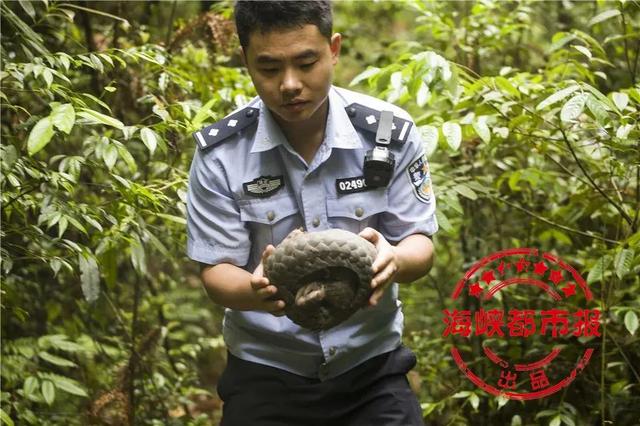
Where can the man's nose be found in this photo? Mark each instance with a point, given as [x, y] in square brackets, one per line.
[290, 82]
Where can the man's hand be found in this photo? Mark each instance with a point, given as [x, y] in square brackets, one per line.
[385, 265]
[263, 291]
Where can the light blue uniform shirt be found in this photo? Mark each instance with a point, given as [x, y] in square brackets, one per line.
[228, 224]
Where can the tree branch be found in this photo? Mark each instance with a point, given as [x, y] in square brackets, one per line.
[626, 47]
[167, 38]
[557, 225]
[624, 214]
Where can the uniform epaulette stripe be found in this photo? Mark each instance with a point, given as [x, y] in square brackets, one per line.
[230, 125]
[367, 118]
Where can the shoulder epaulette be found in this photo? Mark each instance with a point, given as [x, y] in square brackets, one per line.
[230, 125]
[366, 118]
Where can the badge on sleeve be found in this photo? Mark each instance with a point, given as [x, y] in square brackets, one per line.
[420, 178]
[263, 186]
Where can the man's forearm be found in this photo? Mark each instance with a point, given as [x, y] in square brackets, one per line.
[414, 256]
[229, 286]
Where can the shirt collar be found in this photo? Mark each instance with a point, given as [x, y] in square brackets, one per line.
[339, 131]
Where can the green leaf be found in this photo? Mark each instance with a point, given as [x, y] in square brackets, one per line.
[474, 401]
[465, 191]
[56, 360]
[557, 97]
[560, 39]
[502, 401]
[567, 420]
[631, 322]
[585, 51]
[129, 131]
[63, 116]
[66, 384]
[28, 8]
[423, 95]
[623, 131]
[93, 223]
[621, 100]
[481, 128]
[48, 391]
[556, 421]
[598, 109]
[149, 138]
[176, 219]
[110, 155]
[203, 113]
[601, 17]
[573, 108]
[427, 408]
[597, 271]
[138, 257]
[506, 86]
[443, 221]
[453, 134]
[622, 262]
[89, 277]
[59, 341]
[97, 63]
[40, 135]
[161, 112]
[96, 117]
[430, 138]
[364, 75]
[30, 386]
[48, 77]
[62, 226]
[5, 418]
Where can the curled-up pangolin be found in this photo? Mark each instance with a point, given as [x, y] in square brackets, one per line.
[323, 277]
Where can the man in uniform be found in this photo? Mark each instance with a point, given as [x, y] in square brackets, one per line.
[294, 157]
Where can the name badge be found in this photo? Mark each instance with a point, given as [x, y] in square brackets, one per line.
[351, 184]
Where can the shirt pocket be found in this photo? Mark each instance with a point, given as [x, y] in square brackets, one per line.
[354, 212]
[269, 220]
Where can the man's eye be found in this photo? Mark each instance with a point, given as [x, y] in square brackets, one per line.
[309, 65]
[269, 70]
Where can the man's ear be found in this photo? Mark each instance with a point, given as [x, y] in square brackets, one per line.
[334, 45]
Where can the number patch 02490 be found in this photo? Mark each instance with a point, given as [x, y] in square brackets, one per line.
[351, 185]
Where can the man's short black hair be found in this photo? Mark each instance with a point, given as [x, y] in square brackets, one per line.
[265, 16]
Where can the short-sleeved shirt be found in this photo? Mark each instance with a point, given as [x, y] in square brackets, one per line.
[252, 189]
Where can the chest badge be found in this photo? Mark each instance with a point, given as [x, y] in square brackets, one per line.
[263, 186]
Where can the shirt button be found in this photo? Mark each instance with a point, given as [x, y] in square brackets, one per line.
[359, 211]
[316, 222]
[332, 351]
[271, 215]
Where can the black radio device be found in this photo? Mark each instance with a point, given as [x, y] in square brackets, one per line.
[379, 162]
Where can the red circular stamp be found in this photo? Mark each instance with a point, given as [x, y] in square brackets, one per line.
[521, 310]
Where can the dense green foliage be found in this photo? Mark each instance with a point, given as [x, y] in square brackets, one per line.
[529, 112]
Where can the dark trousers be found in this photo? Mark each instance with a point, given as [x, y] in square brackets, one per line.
[374, 393]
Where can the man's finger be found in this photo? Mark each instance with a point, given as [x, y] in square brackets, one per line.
[369, 234]
[376, 296]
[381, 262]
[267, 252]
[275, 306]
[267, 291]
[258, 282]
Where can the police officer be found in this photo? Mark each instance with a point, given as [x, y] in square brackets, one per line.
[295, 157]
